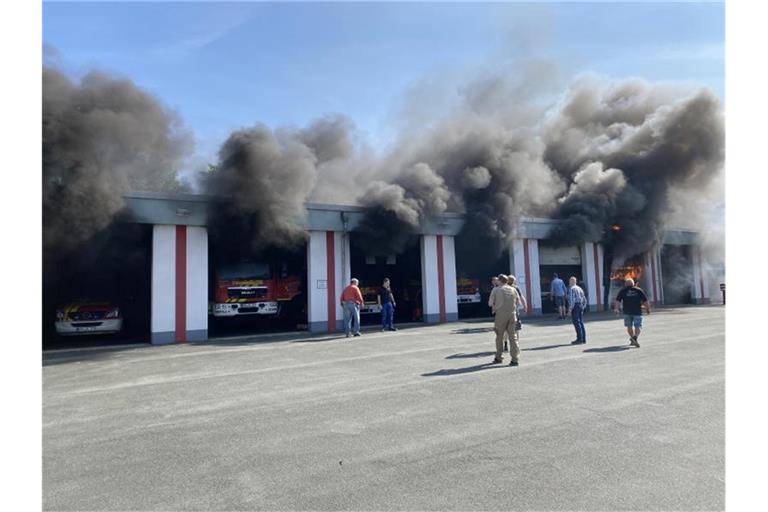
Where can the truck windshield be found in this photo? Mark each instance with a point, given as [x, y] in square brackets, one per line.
[244, 271]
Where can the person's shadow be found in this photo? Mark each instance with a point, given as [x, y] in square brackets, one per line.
[617, 348]
[547, 347]
[459, 371]
[462, 355]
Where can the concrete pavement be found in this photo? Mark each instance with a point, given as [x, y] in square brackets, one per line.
[416, 419]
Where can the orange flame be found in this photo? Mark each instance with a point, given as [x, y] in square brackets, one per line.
[626, 272]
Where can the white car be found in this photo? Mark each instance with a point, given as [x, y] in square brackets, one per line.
[88, 317]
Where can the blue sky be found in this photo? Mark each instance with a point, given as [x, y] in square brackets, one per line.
[223, 66]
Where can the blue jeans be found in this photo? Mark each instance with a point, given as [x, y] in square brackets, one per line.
[387, 315]
[577, 316]
[351, 318]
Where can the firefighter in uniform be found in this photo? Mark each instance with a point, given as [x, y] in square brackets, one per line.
[504, 302]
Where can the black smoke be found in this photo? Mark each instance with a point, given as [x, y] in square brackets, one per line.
[631, 153]
[264, 177]
[102, 137]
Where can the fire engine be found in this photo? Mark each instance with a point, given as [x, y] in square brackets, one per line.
[468, 291]
[370, 300]
[253, 288]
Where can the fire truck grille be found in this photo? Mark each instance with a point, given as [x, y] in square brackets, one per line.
[246, 293]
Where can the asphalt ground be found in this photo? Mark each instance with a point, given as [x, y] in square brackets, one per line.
[417, 419]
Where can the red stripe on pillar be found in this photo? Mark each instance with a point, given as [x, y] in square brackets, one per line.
[596, 258]
[528, 275]
[330, 257]
[653, 275]
[440, 277]
[701, 274]
[181, 284]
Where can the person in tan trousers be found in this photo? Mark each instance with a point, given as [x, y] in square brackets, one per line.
[504, 302]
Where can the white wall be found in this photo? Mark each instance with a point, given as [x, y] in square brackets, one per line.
[533, 256]
[592, 279]
[700, 290]
[449, 270]
[429, 285]
[340, 272]
[163, 279]
[317, 278]
[197, 278]
[527, 276]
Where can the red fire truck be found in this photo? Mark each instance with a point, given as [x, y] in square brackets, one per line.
[253, 288]
[468, 291]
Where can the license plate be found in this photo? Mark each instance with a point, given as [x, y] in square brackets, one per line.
[85, 329]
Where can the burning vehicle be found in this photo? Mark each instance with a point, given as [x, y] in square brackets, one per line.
[83, 317]
[254, 288]
[630, 269]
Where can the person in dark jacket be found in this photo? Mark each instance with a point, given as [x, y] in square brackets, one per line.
[386, 300]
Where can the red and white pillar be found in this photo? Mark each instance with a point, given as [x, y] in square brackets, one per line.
[592, 273]
[438, 278]
[179, 284]
[328, 270]
[651, 280]
[700, 287]
[524, 265]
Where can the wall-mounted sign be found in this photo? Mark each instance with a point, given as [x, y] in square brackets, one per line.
[322, 284]
[568, 255]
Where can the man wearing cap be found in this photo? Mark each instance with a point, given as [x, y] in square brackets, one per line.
[504, 302]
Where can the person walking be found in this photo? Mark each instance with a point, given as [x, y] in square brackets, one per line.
[523, 306]
[558, 292]
[351, 301]
[496, 283]
[504, 302]
[386, 300]
[576, 302]
[633, 301]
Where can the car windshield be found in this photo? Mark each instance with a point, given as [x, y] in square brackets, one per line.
[244, 271]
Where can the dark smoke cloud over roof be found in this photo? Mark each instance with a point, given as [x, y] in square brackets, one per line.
[102, 137]
[608, 152]
[605, 153]
[627, 149]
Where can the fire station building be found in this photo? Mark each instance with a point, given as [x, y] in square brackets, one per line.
[180, 270]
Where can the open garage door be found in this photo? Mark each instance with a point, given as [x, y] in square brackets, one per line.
[100, 292]
[565, 261]
[255, 292]
[677, 274]
[476, 262]
[404, 273]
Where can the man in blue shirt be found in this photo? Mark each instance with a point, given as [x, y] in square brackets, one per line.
[576, 303]
[557, 289]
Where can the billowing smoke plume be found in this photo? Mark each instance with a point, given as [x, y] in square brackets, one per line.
[612, 160]
[264, 177]
[632, 152]
[481, 157]
[102, 137]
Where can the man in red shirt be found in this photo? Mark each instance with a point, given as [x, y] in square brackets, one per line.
[351, 300]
